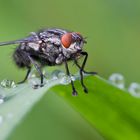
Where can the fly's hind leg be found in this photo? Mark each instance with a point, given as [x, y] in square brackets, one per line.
[21, 59]
[27, 74]
[38, 69]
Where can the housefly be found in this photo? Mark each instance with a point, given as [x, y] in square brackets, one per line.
[50, 47]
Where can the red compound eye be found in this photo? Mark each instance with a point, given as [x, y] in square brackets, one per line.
[66, 40]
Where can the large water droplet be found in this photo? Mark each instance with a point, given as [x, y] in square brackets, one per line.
[65, 80]
[34, 82]
[118, 80]
[34, 79]
[62, 77]
[134, 89]
[57, 74]
[1, 119]
[8, 83]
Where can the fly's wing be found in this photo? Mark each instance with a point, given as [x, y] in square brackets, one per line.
[32, 38]
[13, 42]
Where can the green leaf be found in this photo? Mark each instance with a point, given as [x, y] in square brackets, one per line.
[113, 112]
[20, 100]
[106, 111]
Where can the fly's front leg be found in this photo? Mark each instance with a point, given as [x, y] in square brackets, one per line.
[38, 69]
[74, 92]
[82, 70]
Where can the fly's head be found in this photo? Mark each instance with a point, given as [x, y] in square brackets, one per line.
[72, 43]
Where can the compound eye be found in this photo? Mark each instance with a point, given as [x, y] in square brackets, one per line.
[66, 40]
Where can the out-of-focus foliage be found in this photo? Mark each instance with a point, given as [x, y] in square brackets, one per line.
[111, 27]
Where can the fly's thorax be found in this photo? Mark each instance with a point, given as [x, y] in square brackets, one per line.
[33, 45]
[48, 37]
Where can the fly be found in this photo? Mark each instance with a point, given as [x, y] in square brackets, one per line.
[50, 47]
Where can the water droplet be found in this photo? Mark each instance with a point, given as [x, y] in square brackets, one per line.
[34, 79]
[8, 83]
[134, 89]
[35, 82]
[57, 74]
[1, 119]
[118, 80]
[65, 80]
[62, 77]
[47, 75]
[73, 78]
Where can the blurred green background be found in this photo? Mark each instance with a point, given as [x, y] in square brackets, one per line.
[112, 28]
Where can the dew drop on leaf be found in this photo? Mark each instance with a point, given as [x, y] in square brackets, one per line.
[134, 89]
[7, 83]
[34, 82]
[34, 79]
[65, 80]
[62, 77]
[118, 80]
[57, 74]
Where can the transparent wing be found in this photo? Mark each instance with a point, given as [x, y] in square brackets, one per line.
[12, 42]
[28, 39]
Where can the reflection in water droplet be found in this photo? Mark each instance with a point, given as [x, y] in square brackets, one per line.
[134, 89]
[1, 119]
[8, 83]
[118, 80]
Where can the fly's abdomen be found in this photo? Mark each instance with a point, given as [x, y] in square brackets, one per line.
[21, 58]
